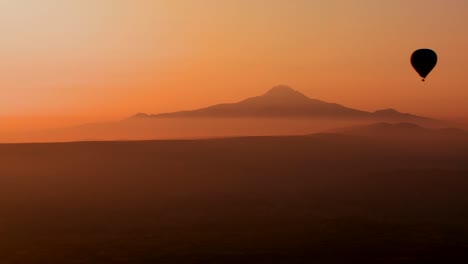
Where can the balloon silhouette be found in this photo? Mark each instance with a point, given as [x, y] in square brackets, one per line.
[424, 61]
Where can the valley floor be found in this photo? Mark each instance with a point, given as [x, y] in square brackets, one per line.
[312, 199]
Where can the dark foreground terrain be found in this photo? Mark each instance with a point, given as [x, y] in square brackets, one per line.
[315, 199]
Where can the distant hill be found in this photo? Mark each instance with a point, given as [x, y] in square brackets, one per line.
[284, 102]
[403, 130]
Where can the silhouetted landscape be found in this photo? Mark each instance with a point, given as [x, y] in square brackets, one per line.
[233, 132]
[344, 197]
[277, 178]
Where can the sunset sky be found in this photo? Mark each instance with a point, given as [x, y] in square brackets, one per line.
[107, 59]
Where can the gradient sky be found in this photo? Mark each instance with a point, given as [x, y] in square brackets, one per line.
[102, 59]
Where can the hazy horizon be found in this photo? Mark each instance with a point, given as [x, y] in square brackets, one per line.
[280, 111]
[36, 123]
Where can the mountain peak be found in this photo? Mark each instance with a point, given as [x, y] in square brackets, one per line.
[283, 91]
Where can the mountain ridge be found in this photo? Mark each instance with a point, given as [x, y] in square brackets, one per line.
[282, 101]
[403, 130]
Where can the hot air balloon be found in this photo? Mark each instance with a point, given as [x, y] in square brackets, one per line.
[424, 61]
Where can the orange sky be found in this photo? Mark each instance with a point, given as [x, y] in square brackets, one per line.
[107, 59]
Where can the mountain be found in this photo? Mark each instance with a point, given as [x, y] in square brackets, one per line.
[280, 111]
[280, 101]
[284, 102]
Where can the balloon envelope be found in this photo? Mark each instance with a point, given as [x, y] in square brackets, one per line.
[424, 61]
